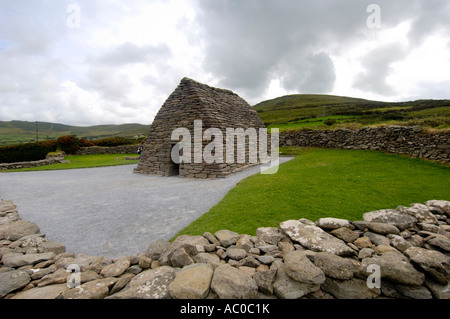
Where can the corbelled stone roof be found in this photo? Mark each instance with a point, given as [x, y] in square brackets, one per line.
[192, 100]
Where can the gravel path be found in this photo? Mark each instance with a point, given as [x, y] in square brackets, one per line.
[111, 211]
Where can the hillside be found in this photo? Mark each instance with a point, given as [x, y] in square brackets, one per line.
[13, 132]
[297, 111]
[312, 110]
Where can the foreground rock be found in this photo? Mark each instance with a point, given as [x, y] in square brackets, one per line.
[150, 284]
[315, 238]
[329, 258]
[231, 283]
[12, 280]
[192, 282]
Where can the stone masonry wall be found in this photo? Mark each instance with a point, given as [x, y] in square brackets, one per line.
[191, 101]
[405, 140]
[409, 247]
[19, 165]
[95, 150]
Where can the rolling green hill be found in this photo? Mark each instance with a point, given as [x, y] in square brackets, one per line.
[297, 111]
[13, 132]
[312, 110]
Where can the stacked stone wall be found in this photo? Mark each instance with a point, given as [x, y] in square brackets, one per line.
[96, 150]
[400, 253]
[30, 164]
[411, 141]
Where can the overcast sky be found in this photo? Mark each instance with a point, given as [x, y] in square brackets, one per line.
[116, 61]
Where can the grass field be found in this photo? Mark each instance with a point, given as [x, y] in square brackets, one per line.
[84, 161]
[316, 122]
[299, 111]
[325, 183]
[14, 132]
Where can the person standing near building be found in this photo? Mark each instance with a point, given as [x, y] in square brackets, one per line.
[141, 149]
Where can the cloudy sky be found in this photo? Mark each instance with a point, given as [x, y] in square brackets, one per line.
[116, 61]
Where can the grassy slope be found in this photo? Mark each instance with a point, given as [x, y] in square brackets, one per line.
[325, 183]
[293, 111]
[21, 131]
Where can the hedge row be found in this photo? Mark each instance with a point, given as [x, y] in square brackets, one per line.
[39, 150]
[26, 152]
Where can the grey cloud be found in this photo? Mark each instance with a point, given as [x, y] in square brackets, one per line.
[433, 15]
[32, 27]
[109, 83]
[313, 73]
[246, 44]
[249, 43]
[129, 53]
[376, 66]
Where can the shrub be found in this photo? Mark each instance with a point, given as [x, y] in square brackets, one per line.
[71, 143]
[329, 122]
[392, 116]
[113, 141]
[26, 152]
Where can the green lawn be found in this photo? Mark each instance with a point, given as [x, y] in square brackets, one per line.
[313, 123]
[84, 161]
[325, 183]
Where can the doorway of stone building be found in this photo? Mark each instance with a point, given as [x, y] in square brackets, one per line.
[174, 166]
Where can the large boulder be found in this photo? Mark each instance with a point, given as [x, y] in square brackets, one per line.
[116, 269]
[383, 228]
[390, 216]
[231, 283]
[149, 284]
[301, 269]
[350, 289]
[156, 248]
[192, 282]
[13, 280]
[443, 205]
[285, 287]
[431, 261]
[314, 238]
[271, 235]
[332, 223]
[192, 245]
[18, 229]
[335, 266]
[18, 260]
[47, 292]
[226, 237]
[96, 289]
[421, 212]
[395, 267]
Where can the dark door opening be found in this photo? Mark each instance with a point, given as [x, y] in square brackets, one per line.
[174, 165]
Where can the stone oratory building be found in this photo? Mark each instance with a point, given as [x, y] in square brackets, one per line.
[190, 105]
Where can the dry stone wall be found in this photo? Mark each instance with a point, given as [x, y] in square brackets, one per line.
[329, 258]
[47, 161]
[412, 141]
[95, 150]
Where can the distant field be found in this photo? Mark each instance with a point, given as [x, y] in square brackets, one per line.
[313, 122]
[325, 183]
[312, 110]
[295, 111]
[14, 132]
